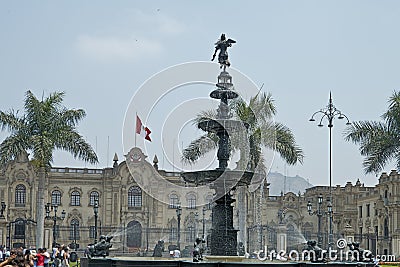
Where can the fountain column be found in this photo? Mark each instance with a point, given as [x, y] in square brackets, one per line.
[223, 239]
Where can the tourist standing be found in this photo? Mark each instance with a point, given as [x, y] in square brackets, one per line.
[46, 257]
[65, 257]
[40, 258]
[29, 257]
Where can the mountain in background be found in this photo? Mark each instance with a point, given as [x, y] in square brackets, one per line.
[280, 183]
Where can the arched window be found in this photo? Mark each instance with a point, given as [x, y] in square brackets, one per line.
[74, 230]
[386, 228]
[94, 195]
[56, 198]
[191, 199]
[173, 201]
[20, 195]
[134, 196]
[191, 233]
[75, 198]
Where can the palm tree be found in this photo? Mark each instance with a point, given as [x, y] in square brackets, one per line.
[46, 125]
[262, 132]
[379, 141]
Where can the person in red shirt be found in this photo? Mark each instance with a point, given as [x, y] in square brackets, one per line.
[40, 258]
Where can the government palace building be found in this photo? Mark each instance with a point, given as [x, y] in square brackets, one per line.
[125, 208]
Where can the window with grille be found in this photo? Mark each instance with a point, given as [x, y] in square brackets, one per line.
[134, 196]
[93, 197]
[57, 231]
[92, 231]
[173, 201]
[20, 195]
[173, 234]
[19, 230]
[191, 202]
[75, 198]
[56, 198]
[191, 233]
[74, 230]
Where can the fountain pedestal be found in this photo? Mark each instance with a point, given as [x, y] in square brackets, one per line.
[223, 235]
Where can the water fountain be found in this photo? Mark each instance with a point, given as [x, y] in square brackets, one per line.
[222, 180]
[223, 240]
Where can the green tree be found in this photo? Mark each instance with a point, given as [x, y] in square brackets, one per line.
[379, 141]
[45, 126]
[262, 132]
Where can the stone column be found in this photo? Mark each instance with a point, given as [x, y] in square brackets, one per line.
[281, 238]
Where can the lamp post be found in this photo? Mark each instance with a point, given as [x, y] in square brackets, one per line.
[329, 113]
[53, 207]
[96, 212]
[204, 223]
[3, 208]
[178, 214]
[319, 212]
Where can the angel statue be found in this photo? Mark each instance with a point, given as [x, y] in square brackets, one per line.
[222, 45]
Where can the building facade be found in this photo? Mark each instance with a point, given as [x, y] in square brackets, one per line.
[139, 205]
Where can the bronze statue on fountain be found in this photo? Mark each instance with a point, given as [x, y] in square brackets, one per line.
[101, 248]
[198, 249]
[318, 255]
[359, 254]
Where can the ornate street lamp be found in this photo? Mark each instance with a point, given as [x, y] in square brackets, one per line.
[204, 223]
[329, 113]
[178, 214]
[3, 208]
[53, 207]
[319, 213]
[96, 212]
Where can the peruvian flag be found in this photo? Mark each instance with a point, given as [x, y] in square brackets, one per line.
[142, 130]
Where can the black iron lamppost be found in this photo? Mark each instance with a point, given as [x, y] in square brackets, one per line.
[179, 214]
[96, 212]
[319, 212]
[204, 222]
[54, 208]
[329, 113]
[3, 208]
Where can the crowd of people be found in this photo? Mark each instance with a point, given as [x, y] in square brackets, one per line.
[24, 257]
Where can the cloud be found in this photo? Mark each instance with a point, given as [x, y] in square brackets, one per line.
[117, 48]
[143, 36]
[158, 22]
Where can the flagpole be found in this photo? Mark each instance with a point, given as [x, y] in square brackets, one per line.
[135, 127]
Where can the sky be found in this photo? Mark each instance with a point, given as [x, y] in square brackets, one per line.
[102, 53]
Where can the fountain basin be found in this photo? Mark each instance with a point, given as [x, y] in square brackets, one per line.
[220, 125]
[216, 262]
[231, 178]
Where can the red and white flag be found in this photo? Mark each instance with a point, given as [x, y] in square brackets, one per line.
[142, 130]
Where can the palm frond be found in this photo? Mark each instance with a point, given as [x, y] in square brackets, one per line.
[199, 147]
[72, 116]
[10, 121]
[286, 146]
[12, 146]
[74, 143]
